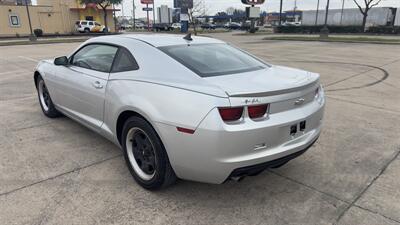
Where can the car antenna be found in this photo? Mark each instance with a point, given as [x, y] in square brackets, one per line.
[188, 37]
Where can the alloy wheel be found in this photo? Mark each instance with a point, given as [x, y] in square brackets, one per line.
[141, 153]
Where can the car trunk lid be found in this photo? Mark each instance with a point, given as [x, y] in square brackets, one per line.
[275, 80]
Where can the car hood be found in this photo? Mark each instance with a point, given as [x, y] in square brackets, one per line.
[270, 81]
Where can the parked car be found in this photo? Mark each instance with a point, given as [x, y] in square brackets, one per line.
[206, 112]
[139, 25]
[162, 27]
[85, 26]
[176, 26]
[233, 26]
[126, 26]
[291, 24]
[208, 26]
[247, 26]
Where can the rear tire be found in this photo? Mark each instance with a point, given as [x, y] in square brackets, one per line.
[87, 30]
[45, 101]
[145, 155]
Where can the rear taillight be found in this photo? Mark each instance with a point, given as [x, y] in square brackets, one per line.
[79, 26]
[231, 114]
[257, 111]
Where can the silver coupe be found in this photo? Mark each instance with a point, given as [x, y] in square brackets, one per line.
[194, 108]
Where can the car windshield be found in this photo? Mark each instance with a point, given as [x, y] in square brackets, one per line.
[208, 60]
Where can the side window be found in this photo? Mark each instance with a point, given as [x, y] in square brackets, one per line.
[90, 23]
[84, 23]
[124, 62]
[95, 57]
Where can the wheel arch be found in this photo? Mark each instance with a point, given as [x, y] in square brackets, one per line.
[123, 117]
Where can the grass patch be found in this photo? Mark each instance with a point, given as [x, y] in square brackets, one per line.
[337, 39]
[50, 41]
[254, 34]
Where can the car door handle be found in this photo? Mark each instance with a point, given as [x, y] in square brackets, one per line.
[97, 85]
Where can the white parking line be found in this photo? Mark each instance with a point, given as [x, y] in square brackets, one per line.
[27, 58]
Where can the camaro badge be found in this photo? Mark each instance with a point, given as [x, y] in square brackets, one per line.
[299, 101]
[251, 101]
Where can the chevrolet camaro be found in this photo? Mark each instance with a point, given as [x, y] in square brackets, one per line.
[194, 108]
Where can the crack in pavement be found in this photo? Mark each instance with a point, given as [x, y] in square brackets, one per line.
[389, 218]
[308, 186]
[353, 203]
[60, 175]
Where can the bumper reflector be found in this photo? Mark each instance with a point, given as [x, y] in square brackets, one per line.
[185, 130]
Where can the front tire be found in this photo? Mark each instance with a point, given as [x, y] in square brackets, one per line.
[145, 155]
[45, 101]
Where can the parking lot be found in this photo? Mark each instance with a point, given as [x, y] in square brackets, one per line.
[55, 171]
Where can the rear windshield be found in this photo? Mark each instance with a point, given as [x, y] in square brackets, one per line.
[209, 60]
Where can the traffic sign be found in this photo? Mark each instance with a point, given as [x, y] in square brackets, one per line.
[187, 4]
[253, 2]
[147, 1]
[147, 9]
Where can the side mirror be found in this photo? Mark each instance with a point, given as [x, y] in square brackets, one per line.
[61, 61]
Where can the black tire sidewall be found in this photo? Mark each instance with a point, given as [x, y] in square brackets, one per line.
[52, 112]
[162, 161]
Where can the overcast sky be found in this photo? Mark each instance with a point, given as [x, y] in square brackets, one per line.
[215, 6]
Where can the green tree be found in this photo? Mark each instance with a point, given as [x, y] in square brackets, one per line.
[104, 4]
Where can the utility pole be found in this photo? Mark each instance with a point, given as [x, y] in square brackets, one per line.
[32, 37]
[154, 14]
[295, 6]
[114, 18]
[326, 13]
[341, 14]
[280, 13]
[325, 30]
[316, 15]
[148, 19]
[134, 15]
[294, 11]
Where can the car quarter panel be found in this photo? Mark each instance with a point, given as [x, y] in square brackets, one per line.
[159, 104]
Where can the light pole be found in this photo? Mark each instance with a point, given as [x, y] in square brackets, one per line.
[341, 14]
[316, 15]
[32, 37]
[280, 13]
[325, 31]
[134, 15]
[154, 14]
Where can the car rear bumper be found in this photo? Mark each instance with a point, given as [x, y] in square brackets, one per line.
[254, 169]
[217, 151]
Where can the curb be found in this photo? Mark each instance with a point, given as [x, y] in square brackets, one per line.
[38, 42]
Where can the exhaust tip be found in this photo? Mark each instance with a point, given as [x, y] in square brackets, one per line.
[238, 179]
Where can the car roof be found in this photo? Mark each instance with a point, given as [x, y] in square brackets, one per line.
[159, 40]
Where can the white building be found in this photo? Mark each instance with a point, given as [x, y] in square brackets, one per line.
[164, 14]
